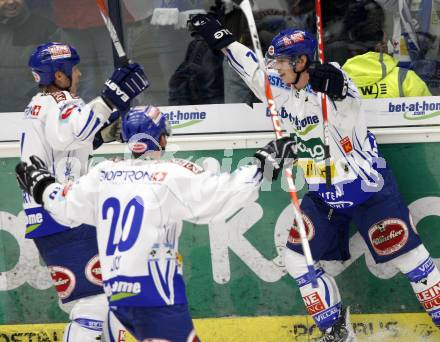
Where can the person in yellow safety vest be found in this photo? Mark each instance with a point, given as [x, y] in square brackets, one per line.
[377, 75]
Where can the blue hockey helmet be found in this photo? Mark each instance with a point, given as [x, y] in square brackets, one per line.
[292, 43]
[143, 127]
[51, 57]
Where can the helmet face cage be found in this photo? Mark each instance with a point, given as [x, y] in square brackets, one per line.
[49, 58]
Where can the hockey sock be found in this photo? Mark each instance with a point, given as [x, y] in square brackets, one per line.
[322, 303]
[424, 276]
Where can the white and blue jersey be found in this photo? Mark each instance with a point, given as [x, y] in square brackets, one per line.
[59, 128]
[355, 162]
[137, 207]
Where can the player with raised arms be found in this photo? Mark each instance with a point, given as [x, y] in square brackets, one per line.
[363, 190]
[137, 206]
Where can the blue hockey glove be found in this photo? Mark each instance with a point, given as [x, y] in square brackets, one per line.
[328, 79]
[211, 29]
[272, 157]
[124, 85]
[34, 178]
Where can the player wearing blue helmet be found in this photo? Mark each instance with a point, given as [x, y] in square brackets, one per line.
[363, 190]
[145, 130]
[137, 206]
[60, 129]
[55, 65]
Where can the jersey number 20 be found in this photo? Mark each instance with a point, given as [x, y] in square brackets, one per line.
[128, 232]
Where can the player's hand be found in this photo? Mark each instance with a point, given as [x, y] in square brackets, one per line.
[124, 85]
[328, 79]
[274, 155]
[211, 29]
[34, 178]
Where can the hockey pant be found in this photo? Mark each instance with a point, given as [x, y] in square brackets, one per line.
[324, 303]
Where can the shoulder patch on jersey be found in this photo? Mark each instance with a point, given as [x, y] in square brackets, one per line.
[59, 96]
[194, 168]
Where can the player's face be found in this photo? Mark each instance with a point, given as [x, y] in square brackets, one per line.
[10, 8]
[284, 68]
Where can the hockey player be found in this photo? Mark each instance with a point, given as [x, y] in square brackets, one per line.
[137, 206]
[59, 128]
[363, 189]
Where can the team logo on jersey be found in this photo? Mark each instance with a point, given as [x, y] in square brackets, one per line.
[294, 236]
[65, 114]
[346, 145]
[59, 96]
[388, 236]
[63, 279]
[93, 271]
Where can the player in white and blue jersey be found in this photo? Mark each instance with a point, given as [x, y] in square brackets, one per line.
[363, 190]
[59, 128]
[137, 206]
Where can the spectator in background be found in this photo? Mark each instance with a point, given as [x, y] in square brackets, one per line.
[199, 78]
[82, 26]
[415, 37]
[21, 30]
[362, 27]
[374, 72]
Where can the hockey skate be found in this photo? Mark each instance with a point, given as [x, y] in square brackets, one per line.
[342, 331]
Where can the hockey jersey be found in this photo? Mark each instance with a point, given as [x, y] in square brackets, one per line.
[59, 128]
[137, 207]
[355, 162]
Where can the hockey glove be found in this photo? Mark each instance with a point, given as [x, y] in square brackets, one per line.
[273, 156]
[211, 29]
[124, 85]
[34, 178]
[110, 131]
[328, 79]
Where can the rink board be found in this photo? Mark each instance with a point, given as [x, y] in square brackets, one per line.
[368, 328]
[234, 269]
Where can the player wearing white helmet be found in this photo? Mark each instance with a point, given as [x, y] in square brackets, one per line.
[60, 129]
[137, 206]
[363, 189]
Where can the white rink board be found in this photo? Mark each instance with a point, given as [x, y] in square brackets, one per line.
[399, 120]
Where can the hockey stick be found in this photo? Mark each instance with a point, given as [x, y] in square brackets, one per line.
[111, 30]
[247, 11]
[328, 174]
